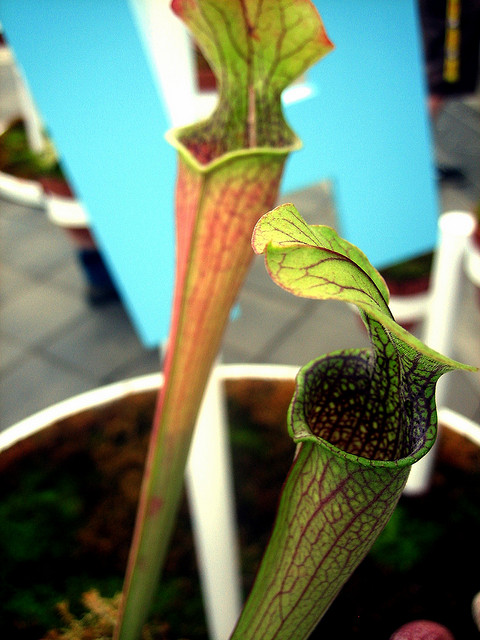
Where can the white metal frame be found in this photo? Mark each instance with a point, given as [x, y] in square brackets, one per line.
[455, 229]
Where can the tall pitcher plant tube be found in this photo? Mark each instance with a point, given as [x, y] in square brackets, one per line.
[230, 167]
[360, 419]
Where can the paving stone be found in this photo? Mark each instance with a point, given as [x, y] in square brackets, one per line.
[11, 351]
[103, 342]
[38, 253]
[12, 283]
[146, 362]
[327, 326]
[34, 384]
[39, 313]
[261, 319]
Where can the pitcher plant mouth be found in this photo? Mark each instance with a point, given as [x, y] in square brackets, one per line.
[372, 406]
[203, 161]
[255, 50]
[302, 427]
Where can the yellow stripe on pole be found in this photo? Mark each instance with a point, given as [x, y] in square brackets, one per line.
[451, 64]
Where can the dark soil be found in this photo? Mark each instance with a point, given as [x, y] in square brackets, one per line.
[67, 507]
[425, 564]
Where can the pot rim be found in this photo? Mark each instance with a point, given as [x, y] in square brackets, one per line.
[21, 190]
[410, 307]
[102, 395]
[105, 394]
[461, 424]
[66, 212]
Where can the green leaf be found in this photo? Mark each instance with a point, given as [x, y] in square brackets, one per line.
[312, 261]
[360, 419]
[256, 49]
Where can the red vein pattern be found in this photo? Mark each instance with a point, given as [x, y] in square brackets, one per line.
[330, 514]
[361, 418]
[212, 272]
[256, 48]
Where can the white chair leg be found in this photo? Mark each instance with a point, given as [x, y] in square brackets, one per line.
[210, 494]
[455, 228]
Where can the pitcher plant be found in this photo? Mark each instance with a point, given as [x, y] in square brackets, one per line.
[360, 418]
[229, 171]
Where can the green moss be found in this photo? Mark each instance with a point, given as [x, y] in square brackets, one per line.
[17, 159]
[405, 541]
[31, 516]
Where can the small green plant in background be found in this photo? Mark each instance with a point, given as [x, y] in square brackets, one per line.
[18, 159]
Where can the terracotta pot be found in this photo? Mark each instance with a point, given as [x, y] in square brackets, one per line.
[89, 441]
[409, 285]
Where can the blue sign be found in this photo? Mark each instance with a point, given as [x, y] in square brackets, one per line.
[364, 126]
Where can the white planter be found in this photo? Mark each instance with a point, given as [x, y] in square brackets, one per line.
[103, 395]
[66, 212]
[20, 191]
[472, 261]
[220, 616]
[208, 478]
[70, 215]
[410, 309]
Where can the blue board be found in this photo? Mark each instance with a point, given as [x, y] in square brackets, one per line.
[365, 127]
[88, 73]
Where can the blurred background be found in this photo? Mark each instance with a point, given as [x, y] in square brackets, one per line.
[64, 329]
